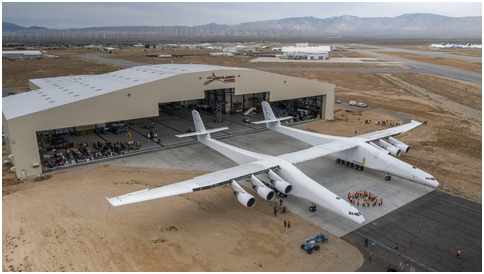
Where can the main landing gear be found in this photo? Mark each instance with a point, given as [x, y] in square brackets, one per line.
[349, 164]
[388, 177]
[313, 208]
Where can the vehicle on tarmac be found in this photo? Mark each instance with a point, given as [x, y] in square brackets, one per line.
[348, 110]
[363, 105]
[352, 103]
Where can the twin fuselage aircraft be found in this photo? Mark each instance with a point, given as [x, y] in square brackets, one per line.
[269, 175]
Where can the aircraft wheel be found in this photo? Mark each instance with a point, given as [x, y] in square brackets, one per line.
[342, 162]
[302, 246]
[317, 247]
[360, 168]
[388, 178]
[310, 251]
[337, 161]
[352, 165]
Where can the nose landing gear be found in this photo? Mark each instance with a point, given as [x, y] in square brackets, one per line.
[388, 177]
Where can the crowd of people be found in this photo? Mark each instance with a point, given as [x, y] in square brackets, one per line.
[366, 197]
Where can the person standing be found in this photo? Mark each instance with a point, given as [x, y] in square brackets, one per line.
[396, 245]
[275, 212]
[364, 203]
[284, 223]
[381, 201]
[280, 202]
[289, 224]
[366, 242]
[458, 253]
[358, 202]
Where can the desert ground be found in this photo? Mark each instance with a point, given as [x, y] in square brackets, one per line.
[64, 223]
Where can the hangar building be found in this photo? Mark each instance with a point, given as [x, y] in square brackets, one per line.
[24, 54]
[133, 93]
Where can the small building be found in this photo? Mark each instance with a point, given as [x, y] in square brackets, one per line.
[22, 54]
[306, 53]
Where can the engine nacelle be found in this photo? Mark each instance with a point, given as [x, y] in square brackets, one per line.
[279, 183]
[402, 146]
[242, 196]
[265, 192]
[262, 190]
[393, 150]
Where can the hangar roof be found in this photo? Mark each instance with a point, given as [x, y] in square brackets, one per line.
[60, 91]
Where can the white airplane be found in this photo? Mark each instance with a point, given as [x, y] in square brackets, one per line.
[360, 151]
[440, 46]
[282, 176]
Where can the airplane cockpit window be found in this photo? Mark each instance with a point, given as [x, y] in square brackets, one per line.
[429, 178]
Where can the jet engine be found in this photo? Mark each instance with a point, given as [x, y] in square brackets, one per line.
[262, 190]
[395, 151]
[244, 198]
[279, 183]
[403, 147]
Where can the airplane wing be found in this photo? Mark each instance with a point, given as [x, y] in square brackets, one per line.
[203, 182]
[317, 151]
[389, 132]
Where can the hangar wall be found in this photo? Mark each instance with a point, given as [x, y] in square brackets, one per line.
[142, 101]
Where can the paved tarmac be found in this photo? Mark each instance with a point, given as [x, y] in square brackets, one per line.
[429, 231]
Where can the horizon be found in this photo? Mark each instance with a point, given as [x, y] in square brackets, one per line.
[167, 14]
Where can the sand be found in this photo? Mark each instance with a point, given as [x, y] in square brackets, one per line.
[65, 223]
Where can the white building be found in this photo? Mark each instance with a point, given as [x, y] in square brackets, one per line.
[62, 103]
[22, 54]
[307, 53]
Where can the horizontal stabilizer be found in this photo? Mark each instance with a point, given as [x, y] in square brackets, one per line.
[274, 120]
[202, 132]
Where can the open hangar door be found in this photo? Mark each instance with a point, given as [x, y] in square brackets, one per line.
[305, 108]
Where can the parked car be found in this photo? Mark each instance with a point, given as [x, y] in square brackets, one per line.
[348, 110]
[338, 102]
[363, 105]
[352, 103]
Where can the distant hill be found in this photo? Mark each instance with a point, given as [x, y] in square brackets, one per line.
[419, 25]
[13, 27]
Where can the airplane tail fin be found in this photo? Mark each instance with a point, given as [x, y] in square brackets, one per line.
[200, 127]
[269, 116]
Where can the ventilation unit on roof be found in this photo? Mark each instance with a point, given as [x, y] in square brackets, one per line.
[120, 76]
[86, 85]
[98, 89]
[128, 78]
[93, 87]
[66, 89]
[51, 101]
[76, 95]
[43, 95]
[47, 98]
[71, 92]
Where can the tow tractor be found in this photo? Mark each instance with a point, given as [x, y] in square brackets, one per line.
[311, 243]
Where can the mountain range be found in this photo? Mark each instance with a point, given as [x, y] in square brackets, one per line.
[421, 25]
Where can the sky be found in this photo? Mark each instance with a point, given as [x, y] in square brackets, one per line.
[64, 15]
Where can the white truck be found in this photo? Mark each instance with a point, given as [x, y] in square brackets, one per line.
[352, 103]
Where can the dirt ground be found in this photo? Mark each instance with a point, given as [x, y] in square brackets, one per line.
[439, 61]
[15, 74]
[65, 223]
